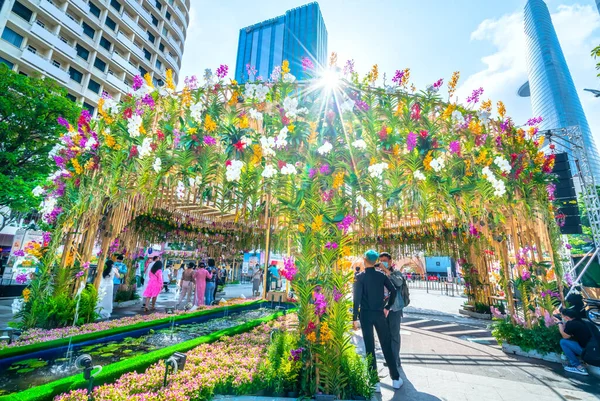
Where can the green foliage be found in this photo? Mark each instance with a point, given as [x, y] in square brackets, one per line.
[539, 337]
[29, 108]
[361, 378]
[281, 372]
[596, 55]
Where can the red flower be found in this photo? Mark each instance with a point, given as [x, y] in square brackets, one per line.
[228, 163]
[280, 164]
[552, 146]
[153, 146]
[133, 152]
[383, 133]
[127, 113]
[239, 145]
[160, 135]
[285, 120]
[513, 156]
[424, 133]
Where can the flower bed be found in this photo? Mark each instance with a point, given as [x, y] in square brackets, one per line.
[38, 339]
[123, 372]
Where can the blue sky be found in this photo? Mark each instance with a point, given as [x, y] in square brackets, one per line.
[483, 39]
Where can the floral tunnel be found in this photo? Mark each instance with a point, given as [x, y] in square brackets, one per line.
[325, 169]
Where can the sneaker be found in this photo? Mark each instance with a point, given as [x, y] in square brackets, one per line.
[378, 388]
[577, 370]
[397, 383]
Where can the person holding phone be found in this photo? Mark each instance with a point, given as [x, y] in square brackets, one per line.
[576, 336]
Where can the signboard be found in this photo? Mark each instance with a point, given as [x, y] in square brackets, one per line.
[21, 265]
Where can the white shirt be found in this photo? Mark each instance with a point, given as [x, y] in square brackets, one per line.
[166, 274]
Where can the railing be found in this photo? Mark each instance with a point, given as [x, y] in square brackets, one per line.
[45, 64]
[433, 284]
[53, 40]
[61, 16]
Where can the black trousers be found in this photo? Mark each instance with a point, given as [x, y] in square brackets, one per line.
[376, 319]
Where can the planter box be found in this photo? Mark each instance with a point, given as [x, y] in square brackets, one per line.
[475, 315]
[516, 350]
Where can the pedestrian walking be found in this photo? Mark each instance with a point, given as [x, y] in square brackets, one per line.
[155, 284]
[106, 289]
[201, 277]
[149, 264]
[119, 279]
[370, 308]
[211, 283]
[166, 279]
[186, 283]
[394, 317]
[256, 279]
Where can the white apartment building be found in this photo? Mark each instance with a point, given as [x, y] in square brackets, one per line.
[94, 46]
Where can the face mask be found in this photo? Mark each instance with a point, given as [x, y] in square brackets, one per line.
[385, 264]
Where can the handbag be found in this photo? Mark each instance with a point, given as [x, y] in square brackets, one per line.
[591, 353]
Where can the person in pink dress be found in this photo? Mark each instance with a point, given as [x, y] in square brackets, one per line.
[155, 284]
[200, 277]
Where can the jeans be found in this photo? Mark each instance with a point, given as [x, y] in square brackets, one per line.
[187, 289]
[394, 319]
[209, 293]
[572, 350]
[376, 319]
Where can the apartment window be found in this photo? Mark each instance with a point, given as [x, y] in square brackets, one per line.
[161, 47]
[168, 15]
[105, 43]
[12, 37]
[158, 64]
[151, 37]
[94, 9]
[116, 5]
[89, 107]
[94, 86]
[82, 52]
[147, 54]
[63, 39]
[75, 75]
[165, 31]
[5, 61]
[71, 97]
[142, 71]
[99, 64]
[22, 73]
[110, 23]
[88, 30]
[40, 23]
[154, 20]
[32, 49]
[22, 11]
[56, 63]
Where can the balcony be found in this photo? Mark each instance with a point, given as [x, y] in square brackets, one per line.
[124, 64]
[172, 62]
[63, 18]
[117, 83]
[176, 46]
[82, 5]
[130, 45]
[53, 40]
[45, 65]
[181, 15]
[133, 25]
[179, 32]
[140, 10]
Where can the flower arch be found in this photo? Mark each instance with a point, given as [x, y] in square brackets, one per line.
[324, 169]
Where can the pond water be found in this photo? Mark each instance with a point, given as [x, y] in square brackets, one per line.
[19, 375]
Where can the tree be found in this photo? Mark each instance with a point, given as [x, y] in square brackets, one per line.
[29, 109]
[596, 55]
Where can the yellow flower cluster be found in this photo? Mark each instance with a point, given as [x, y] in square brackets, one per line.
[486, 106]
[285, 67]
[109, 140]
[34, 249]
[317, 224]
[89, 164]
[468, 171]
[77, 166]
[326, 334]
[453, 82]
[234, 98]
[244, 122]
[148, 80]
[26, 294]
[170, 83]
[501, 108]
[338, 179]
[102, 112]
[539, 158]
[405, 77]
[312, 337]
[256, 154]
[209, 124]
[346, 251]
[483, 158]
[396, 150]
[312, 138]
[373, 74]
[186, 97]
[475, 127]
[291, 128]
[301, 228]
[448, 112]
[427, 161]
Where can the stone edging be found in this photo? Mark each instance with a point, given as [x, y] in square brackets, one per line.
[516, 350]
[475, 315]
[126, 304]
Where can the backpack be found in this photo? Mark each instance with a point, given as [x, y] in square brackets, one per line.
[400, 282]
[591, 353]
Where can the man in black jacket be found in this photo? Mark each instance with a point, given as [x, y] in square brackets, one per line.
[370, 308]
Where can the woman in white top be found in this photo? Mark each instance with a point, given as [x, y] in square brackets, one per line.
[105, 292]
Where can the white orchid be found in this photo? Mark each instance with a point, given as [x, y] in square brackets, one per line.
[457, 115]
[260, 92]
[246, 141]
[502, 164]
[365, 204]
[281, 139]
[418, 174]
[289, 78]
[255, 114]
[348, 105]
[157, 166]
[57, 148]
[145, 149]
[290, 105]
[233, 171]
[376, 170]
[38, 191]
[180, 190]
[437, 164]
[133, 125]
[196, 111]
[267, 145]
[90, 143]
[48, 205]
[269, 171]
[288, 169]
[498, 185]
[110, 106]
[484, 116]
[325, 148]
[359, 144]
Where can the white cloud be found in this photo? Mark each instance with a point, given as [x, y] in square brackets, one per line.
[578, 30]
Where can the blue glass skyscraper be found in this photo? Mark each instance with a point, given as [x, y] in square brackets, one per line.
[553, 93]
[298, 33]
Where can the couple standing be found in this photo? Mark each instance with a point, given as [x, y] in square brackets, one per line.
[374, 312]
[204, 280]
